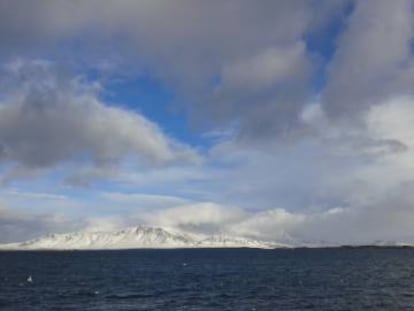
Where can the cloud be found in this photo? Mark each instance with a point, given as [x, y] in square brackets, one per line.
[147, 201]
[373, 59]
[307, 143]
[385, 218]
[265, 92]
[257, 53]
[267, 69]
[104, 224]
[274, 225]
[381, 218]
[20, 226]
[47, 118]
[202, 217]
[36, 195]
[393, 119]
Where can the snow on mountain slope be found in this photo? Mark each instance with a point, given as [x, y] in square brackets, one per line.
[138, 237]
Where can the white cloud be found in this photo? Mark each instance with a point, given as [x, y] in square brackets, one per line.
[102, 224]
[203, 217]
[393, 119]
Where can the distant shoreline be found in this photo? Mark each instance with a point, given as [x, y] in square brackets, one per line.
[341, 247]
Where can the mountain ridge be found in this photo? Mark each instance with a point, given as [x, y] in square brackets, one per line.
[139, 237]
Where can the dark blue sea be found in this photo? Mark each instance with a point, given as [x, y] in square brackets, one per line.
[209, 279]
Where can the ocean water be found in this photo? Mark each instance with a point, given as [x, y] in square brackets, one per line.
[209, 279]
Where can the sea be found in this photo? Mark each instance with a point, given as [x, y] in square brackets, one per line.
[209, 279]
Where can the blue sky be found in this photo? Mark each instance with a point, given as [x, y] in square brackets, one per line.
[274, 120]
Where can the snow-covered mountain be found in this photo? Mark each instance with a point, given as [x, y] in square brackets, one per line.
[137, 237]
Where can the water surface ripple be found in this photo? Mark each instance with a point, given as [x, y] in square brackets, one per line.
[209, 279]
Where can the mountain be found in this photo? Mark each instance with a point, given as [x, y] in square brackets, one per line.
[137, 237]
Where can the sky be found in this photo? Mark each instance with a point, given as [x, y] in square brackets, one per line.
[286, 120]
